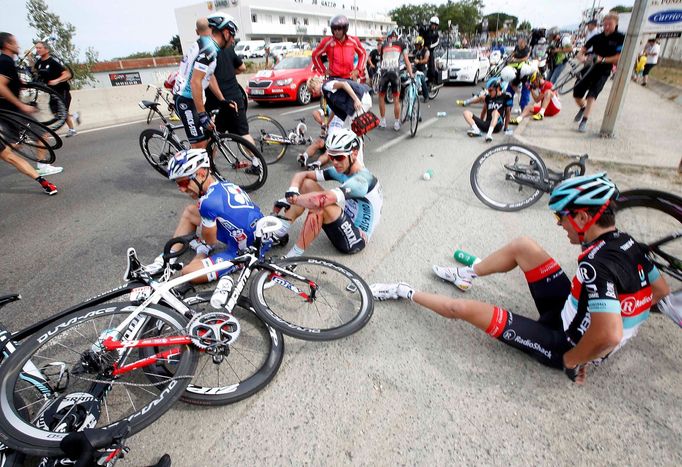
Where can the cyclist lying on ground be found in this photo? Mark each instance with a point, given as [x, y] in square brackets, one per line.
[224, 211]
[491, 119]
[347, 214]
[581, 321]
[545, 100]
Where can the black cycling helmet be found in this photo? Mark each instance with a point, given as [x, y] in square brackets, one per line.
[339, 21]
[221, 21]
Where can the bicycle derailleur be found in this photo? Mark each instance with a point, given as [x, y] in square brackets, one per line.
[214, 333]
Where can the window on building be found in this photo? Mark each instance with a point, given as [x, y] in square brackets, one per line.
[305, 21]
[281, 19]
[294, 20]
[268, 18]
[314, 2]
[254, 18]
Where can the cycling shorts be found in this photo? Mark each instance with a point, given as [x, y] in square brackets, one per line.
[65, 94]
[389, 77]
[484, 125]
[232, 121]
[553, 108]
[344, 235]
[544, 339]
[591, 84]
[190, 119]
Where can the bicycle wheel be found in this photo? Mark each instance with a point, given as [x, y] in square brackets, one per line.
[414, 115]
[319, 300]
[253, 361]
[47, 134]
[433, 91]
[66, 381]
[26, 141]
[236, 160]
[50, 107]
[649, 216]
[403, 108]
[508, 177]
[158, 149]
[260, 128]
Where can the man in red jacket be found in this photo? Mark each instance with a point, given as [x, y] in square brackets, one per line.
[340, 49]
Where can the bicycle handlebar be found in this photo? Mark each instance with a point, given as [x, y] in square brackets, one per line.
[183, 240]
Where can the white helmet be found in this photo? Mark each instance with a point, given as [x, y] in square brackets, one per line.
[542, 40]
[186, 163]
[565, 41]
[434, 20]
[508, 73]
[220, 21]
[526, 70]
[341, 142]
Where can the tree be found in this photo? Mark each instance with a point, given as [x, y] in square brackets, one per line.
[621, 9]
[464, 14]
[410, 16]
[524, 26]
[47, 23]
[496, 21]
[175, 43]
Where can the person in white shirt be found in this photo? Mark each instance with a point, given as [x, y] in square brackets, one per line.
[651, 50]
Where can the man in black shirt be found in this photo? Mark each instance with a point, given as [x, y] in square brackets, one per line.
[57, 77]
[606, 47]
[421, 60]
[521, 52]
[374, 59]
[492, 115]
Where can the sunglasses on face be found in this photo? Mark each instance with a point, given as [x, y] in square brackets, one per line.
[338, 158]
[183, 183]
[337, 28]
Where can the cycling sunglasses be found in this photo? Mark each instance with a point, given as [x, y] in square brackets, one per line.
[184, 183]
[559, 216]
[338, 158]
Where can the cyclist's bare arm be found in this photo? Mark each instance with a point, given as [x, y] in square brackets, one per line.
[316, 200]
[209, 235]
[198, 90]
[408, 65]
[660, 289]
[215, 88]
[299, 177]
[602, 336]
[65, 76]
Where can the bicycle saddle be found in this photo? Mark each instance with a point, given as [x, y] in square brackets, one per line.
[149, 104]
[5, 299]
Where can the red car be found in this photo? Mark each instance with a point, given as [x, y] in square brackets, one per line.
[285, 82]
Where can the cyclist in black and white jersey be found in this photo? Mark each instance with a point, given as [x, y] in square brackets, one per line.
[581, 321]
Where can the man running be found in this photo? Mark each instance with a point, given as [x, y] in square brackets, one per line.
[341, 50]
[56, 77]
[581, 321]
[349, 213]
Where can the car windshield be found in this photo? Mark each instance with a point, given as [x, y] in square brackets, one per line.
[458, 54]
[293, 63]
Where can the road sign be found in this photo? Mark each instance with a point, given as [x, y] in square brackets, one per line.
[663, 16]
[668, 35]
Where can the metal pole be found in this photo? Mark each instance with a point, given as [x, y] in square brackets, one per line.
[625, 64]
[355, 7]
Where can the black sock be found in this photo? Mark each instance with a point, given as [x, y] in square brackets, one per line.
[584, 119]
[39, 179]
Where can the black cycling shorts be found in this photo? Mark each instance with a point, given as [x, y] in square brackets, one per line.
[591, 84]
[190, 119]
[232, 121]
[484, 125]
[544, 339]
[389, 77]
[344, 235]
[66, 97]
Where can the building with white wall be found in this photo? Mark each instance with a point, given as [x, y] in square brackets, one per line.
[283, 20]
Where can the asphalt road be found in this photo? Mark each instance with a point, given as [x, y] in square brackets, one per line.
[410, 388]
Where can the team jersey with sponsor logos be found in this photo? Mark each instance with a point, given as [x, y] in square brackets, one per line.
[391, 53]
[362, 194]
[614, 276]
[203, 57]
[230, 208]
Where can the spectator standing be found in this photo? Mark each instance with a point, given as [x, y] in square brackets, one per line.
[341, 50]
[431, 41]
[592, 29]
[559, 49]
[651, 50]
[56, 76]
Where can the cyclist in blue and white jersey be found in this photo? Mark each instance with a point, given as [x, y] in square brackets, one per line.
[349, 213]
[224, 211]
[196, 74]
[581, 321]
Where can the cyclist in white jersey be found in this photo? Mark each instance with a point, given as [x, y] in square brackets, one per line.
[196, 74]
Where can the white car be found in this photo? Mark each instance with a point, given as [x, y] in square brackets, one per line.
[465, 65]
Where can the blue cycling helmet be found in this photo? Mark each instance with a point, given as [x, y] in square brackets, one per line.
[494, 82]
[222, 21]
[586, 191]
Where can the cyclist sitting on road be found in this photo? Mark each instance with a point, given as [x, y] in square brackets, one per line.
[421, 61]
[581, 321]
[492, 116]
[546, 100]
[224, 211]
[341, 50]
[393, 51]
[196, 74]
[349, 213]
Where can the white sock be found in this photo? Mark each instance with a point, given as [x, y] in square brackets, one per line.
[467, 272]
[475, 128]
[542, 112]
[294, 252]
[519, 118]
[405, 291]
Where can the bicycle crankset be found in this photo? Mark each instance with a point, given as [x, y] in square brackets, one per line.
[214, 332]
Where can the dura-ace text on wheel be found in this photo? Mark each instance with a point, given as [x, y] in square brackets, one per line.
[67, 382]
[237, 160]
[506, 177]
[158, 149]
[318, 300]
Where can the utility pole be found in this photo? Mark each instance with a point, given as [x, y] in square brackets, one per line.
[355, 8]
[625, 64]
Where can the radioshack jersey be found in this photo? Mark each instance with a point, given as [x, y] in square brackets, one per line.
[203, 57]
[614, 276]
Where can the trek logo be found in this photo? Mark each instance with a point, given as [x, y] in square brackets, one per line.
[350, 234]
[595, 249]
[666, 17]
[586, 273]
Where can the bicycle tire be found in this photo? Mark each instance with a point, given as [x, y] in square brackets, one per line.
[414, 116]
[57, 342]
[265, 125]
[403, 109]
[433, 92]
[486, 181]
[48, 134]
[254, 358]
[51, 108]
[25, 141]
[272, 300]
[577, 75]
[158, 149]
[231, 163]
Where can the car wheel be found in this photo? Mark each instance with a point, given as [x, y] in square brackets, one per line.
[303, 94]
[475, 78]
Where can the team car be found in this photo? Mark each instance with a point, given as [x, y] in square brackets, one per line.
[286, 81]
[468, 65]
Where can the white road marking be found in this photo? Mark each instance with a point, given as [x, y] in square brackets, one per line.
[405, 127]
[303, 109]
[110, 126]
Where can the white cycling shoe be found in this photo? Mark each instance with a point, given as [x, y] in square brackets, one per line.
[156, 266]
[392, 291]
[453, 276]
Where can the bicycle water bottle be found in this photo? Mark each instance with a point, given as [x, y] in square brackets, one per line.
[428, 175]
[441, 114]
[222, 292]
[466, 258]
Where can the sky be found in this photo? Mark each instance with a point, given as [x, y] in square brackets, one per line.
[121, 27]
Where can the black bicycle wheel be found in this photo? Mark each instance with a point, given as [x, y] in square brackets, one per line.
[268, 135]
[62, 389]
[318, 300]
[158, 149]
[650, 216]
[403, 108]
[26, 141]
[50, 107]
[567, 82]
[433, 91]
[47, 133]
[253, 361]
[508, 177]
[238, 161]
[414, 115]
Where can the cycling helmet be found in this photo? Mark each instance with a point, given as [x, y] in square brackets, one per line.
[535, 76]
[553, 31]
[565, 41]
[186, 163]
[434, 20]
[508, 73]
[542, 41]
[339, 21]
[494, 82]
[341, 142]
[419, 41]
[586, 191]
[392, 32]
[222, 21]
[526, 70]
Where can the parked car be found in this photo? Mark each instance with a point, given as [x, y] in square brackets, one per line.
[244, 49]
[286, 81]
[258, 52]
[468, 65]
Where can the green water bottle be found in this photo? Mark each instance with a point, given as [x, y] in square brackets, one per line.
[466, 258]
